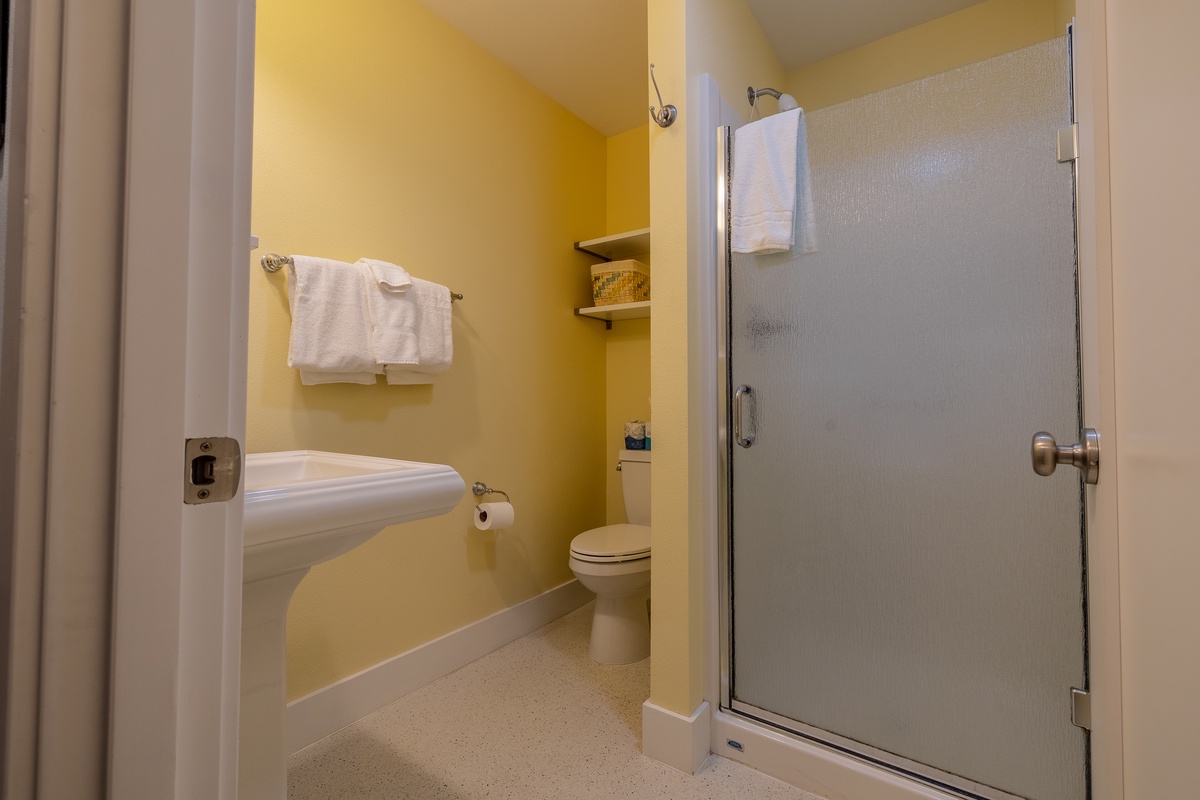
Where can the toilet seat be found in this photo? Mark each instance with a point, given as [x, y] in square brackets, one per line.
[612, 544]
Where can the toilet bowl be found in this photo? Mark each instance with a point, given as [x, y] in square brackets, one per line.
[614, 562]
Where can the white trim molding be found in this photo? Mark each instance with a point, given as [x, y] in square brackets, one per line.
[325, 711]
[675, 740]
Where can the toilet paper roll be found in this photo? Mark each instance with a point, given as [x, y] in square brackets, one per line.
[493, 516]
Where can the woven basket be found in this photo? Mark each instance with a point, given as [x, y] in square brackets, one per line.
[620, 282]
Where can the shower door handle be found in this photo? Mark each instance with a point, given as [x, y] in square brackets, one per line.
[1085, 456]
[740, 436]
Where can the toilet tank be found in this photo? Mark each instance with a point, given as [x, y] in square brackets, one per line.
[635, 483]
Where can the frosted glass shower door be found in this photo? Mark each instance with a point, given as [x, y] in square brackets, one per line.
[903, 585]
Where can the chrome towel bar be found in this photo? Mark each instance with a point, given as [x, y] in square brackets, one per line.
[273, 262]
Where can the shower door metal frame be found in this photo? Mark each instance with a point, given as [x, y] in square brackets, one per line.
[954, 785]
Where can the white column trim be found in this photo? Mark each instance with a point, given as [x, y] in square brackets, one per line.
[675, 740]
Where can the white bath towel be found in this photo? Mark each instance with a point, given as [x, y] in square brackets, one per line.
[390, 277]
[771, 192]
[411, 331]
[331, 323]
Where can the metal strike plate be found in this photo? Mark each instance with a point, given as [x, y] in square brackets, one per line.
[1068, 143]
[212, 469]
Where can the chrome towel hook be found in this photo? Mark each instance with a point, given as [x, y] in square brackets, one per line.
[668, 114]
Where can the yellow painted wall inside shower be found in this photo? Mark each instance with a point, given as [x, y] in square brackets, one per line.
[627, 345]
[380, 131]
[964, 37]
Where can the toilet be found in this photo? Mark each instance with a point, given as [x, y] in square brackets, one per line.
[614, 562]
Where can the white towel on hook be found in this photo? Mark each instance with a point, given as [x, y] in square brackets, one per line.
[390, 277]
[331, 323]
[411, 331]
[771, 192]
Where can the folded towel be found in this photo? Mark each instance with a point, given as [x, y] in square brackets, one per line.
[771, 186]
[411, 331]
[331, 323]
[390, 277]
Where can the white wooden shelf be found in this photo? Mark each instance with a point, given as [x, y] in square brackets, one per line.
[616, 312]
[617, 246]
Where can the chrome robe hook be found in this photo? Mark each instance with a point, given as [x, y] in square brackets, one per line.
[667, 115]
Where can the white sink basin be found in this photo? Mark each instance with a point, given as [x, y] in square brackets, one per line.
[304, 506]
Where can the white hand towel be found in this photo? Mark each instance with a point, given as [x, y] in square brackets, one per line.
[411, 331]
[772, 186]
[390, 277]
[331, 323]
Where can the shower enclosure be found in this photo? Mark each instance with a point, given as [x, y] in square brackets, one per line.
[898, 583]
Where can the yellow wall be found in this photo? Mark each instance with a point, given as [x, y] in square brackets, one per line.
[672, 659]
[628, 397]
[628, 170]
[628, 343]
[380, 131]
[687, 38]
[973, 34]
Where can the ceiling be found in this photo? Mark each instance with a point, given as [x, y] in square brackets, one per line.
[804, 31]
[590, 55]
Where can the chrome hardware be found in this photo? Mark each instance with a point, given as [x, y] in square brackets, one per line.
[273, 262]
[1081, 709]
[212, 469]
[1047, 454]
[619, 466]
[739, 393]
[666, 117]
[786, 101]
[752, 94]
[1068, 143]
[479, 489]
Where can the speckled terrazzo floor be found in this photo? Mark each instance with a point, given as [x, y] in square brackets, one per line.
[535, 719]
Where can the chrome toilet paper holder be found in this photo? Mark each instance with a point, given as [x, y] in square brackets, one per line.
[479, 489]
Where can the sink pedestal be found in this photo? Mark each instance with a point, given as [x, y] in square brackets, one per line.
[303, 508]
[262, 743]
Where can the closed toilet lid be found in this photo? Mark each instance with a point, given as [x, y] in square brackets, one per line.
[612, 543]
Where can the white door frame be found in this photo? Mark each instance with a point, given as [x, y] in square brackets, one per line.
[177, 602]
[823, 770]
[128, 243]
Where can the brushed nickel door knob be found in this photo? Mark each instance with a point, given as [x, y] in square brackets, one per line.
[1047, 454]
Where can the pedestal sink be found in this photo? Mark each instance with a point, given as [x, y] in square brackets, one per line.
[304, 507]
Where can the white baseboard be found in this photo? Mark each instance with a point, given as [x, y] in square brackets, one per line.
[315, 716]
[811, 767]
[677, 741]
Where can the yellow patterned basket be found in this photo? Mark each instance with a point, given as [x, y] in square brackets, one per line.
[620, 282]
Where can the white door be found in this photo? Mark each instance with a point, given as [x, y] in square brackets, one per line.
[127, 243]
